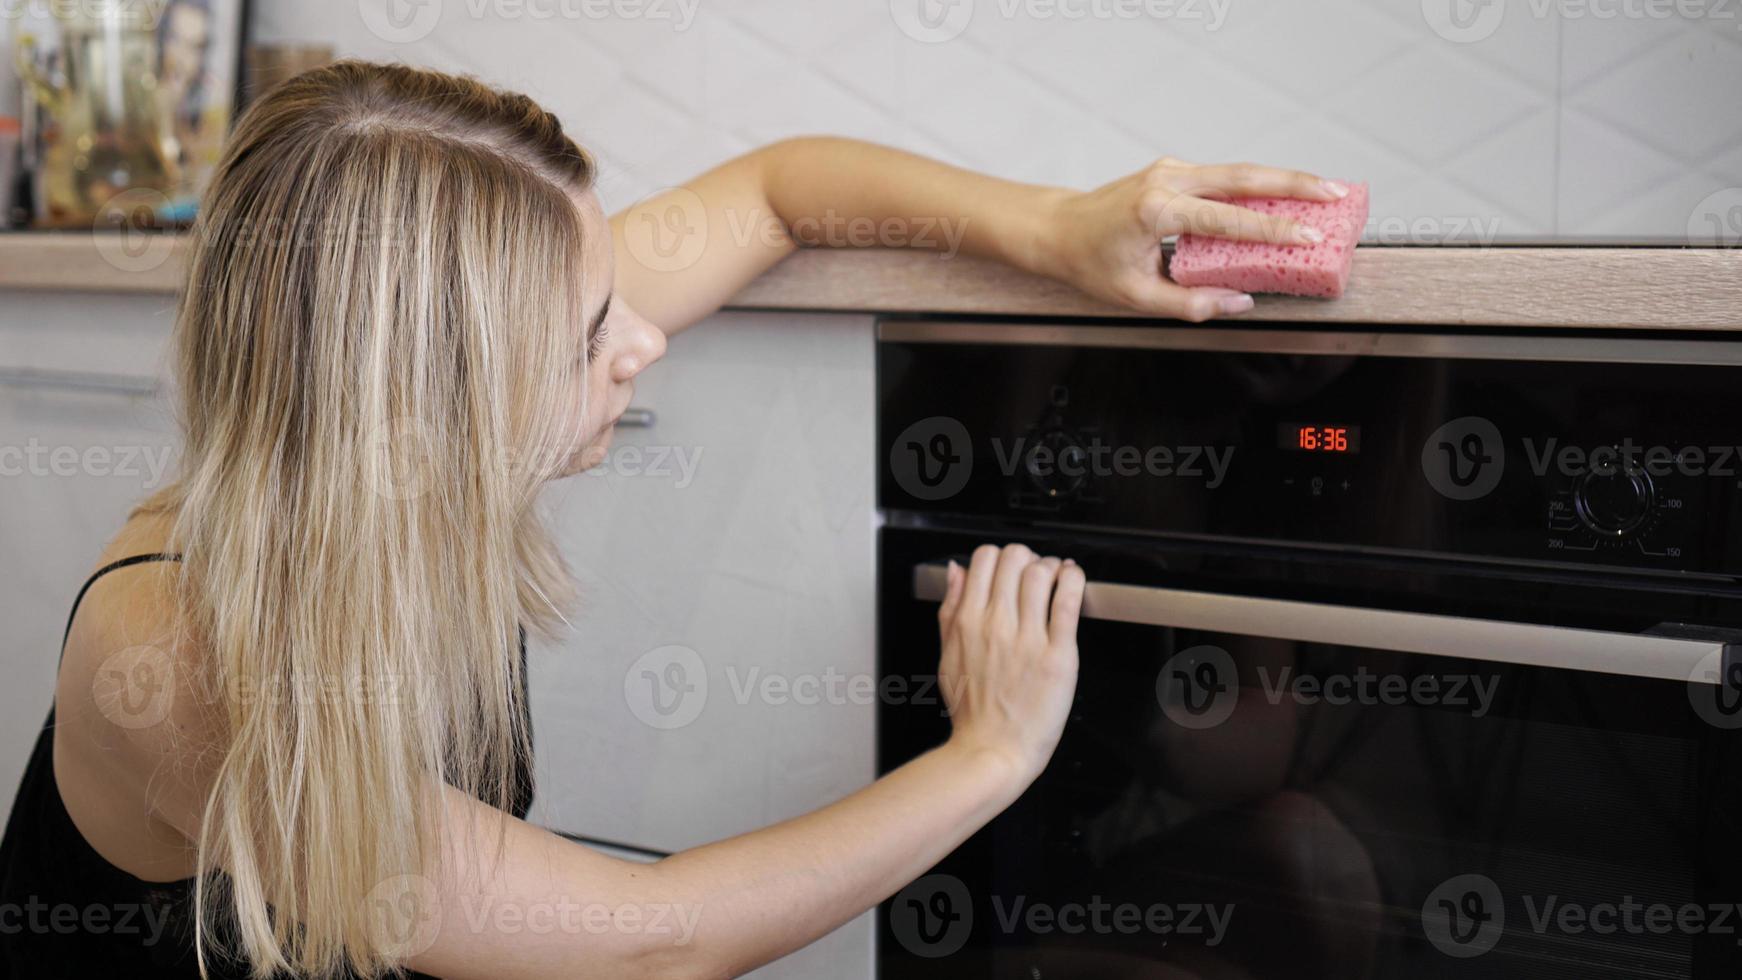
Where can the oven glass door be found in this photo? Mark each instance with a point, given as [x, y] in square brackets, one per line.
[1274, 785]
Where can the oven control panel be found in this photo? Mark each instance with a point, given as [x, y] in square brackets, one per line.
[1443, 447]
[1620, 509]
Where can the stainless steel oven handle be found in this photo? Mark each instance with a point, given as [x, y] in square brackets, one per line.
[118, 384]
[1666, 658]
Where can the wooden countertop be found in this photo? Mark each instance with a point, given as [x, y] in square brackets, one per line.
[1580, 287]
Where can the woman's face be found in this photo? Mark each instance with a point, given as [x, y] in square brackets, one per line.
[617, 344]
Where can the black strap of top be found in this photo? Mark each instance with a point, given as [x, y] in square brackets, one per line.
[157, 556]
[521, 805]
[106, 569]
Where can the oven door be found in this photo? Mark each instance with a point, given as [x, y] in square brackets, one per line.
[1306, 766]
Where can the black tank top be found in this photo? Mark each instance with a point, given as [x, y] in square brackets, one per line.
[67, 912]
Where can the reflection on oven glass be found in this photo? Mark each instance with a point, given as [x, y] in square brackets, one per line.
[1286, 809]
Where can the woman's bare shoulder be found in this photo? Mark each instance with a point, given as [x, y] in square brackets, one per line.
[135, 735]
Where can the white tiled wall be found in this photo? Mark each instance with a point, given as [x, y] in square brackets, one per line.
[1513, 119]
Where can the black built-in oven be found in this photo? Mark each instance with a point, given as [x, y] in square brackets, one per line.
[1404, 654]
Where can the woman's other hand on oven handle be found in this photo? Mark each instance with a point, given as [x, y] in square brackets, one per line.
[1009, 667]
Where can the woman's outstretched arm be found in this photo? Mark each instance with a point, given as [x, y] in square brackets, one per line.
[685, 251]
[715, 911]
[1008, 674]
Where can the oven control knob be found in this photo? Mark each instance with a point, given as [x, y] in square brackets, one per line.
[1614, 501]
[1057, 464]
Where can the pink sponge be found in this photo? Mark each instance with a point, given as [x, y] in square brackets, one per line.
[1300, 270]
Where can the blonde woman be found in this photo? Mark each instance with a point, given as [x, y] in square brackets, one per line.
[289, 735]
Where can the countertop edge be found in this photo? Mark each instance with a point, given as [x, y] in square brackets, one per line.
[1549, 287]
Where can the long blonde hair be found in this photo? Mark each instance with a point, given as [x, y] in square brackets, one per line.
[377, 359]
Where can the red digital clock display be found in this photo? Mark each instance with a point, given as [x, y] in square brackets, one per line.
[1319, 438]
